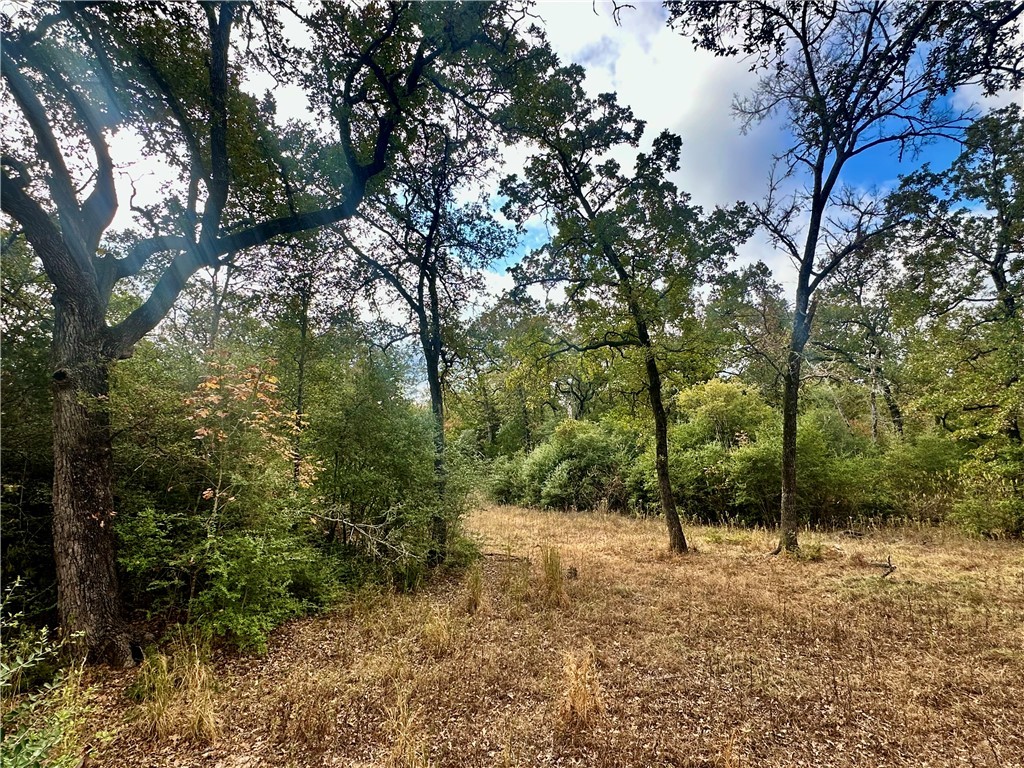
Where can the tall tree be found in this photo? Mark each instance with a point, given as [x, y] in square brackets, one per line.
[859, 329]
[849, 78]
[627, 246]
[964, 250]
[426, 250]
[75, 74]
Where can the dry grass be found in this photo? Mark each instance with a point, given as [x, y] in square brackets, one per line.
[408, 745]
[552, 578]
[475, 588]
[722, 658]
[177, 695]
[583, 700]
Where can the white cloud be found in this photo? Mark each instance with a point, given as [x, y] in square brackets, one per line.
[656, 71]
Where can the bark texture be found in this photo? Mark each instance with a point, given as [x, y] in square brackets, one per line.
[676, 538]
[88, 594]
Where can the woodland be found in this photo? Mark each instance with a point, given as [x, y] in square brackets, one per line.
[279, 386]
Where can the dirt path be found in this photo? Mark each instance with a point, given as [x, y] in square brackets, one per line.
[622, 655]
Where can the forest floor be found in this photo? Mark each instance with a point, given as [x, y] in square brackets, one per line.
[580, 641]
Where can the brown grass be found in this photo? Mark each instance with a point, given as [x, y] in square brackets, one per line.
[176, 695]
[726, 657]
[582, 700]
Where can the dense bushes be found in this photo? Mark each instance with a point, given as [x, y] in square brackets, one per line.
[234, 517]
[583, 465]
[725, 464]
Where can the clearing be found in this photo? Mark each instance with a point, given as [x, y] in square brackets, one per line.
[579, 641]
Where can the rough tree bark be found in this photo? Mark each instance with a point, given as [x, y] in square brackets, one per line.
[88, 594]
[676, 538]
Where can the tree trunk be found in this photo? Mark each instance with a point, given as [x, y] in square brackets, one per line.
[88, 596]
[676, 538]
[438, 522]
[894, 408]
[300, 389]
[788, 520]
[802, 320]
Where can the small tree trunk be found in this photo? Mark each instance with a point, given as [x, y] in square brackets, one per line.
[788, 521]
[873, 399]
[88, 596]
[894, 408]
[438, 522]
[300, 389]
[676, 538]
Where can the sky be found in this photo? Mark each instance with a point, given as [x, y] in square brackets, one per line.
[656, 71]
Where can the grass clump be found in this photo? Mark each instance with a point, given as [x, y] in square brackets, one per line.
[176, 694]
[582, 702]
[474, 588]
[438, 634]
[552, 578]
[409, 748]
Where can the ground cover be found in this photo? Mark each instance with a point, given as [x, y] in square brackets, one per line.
[578, 640]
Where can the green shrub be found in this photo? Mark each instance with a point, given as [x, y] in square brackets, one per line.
[920, 476]
[252, 582]
[44, 705]
[581, 466]
[507, 482]
[726, 412]
[990, 499]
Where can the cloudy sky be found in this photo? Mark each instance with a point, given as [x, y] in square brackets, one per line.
[656, 71]
[671, 86]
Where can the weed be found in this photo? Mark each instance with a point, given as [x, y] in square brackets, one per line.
[176, 694]
[475, 588]
[438, 634]
[582, 701]
[154, 690]
[409, 747]
[811, 552]
[552, 578]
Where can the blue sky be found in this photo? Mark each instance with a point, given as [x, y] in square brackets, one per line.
[656, 71]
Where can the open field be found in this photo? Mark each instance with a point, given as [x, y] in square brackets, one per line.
[579, 641]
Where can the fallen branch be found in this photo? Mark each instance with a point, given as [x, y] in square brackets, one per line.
[887, 565]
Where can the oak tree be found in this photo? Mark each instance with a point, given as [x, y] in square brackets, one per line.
[849, 78]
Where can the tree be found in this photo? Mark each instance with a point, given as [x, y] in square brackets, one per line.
[503, 378]
[76, 73]
[753, 323]
[628, 247]
[858, 327]
[964, 250]
[849, 78]
[426, 250]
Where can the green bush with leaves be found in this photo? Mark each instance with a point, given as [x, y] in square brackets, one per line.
[507, 479]
[726, 412]
[43, 713]
[990, 498]
[582, 466]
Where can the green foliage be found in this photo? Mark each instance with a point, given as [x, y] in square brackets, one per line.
[725, 466]
[991, 499]
[725, 411]
[253, 581]
[224, 534]
[581, 467]
[507, 484]
[26, 463]
[43, 709]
